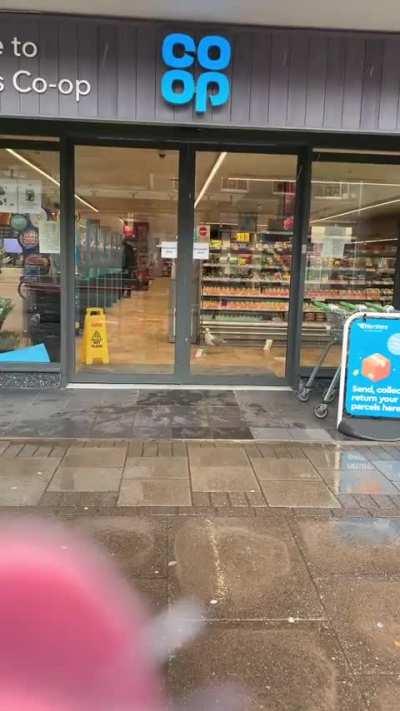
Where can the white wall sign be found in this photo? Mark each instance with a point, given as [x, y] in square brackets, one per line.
[49, 237]
[25, 82]
[169, 250]
[24, 196]
[201, 250]
[8, 195]
[29, 196]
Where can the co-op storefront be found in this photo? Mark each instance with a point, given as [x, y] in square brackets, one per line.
[176, 200]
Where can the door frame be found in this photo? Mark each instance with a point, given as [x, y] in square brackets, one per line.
[182, 374]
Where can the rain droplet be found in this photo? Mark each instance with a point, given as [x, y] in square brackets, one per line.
[171, 563]
[213, 602]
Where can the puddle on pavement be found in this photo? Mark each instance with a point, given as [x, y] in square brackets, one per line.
[357, 481]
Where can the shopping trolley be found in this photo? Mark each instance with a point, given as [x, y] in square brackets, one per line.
[335, 319]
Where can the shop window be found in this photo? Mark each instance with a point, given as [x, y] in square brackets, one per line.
[29, 256]
[351, 251]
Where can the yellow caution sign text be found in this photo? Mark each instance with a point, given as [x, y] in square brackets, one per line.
[95, 341]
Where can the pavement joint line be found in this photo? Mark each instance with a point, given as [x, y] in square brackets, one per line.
[290, 620]
[245, 442]
[296, 538]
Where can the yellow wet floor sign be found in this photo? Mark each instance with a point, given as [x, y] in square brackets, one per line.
[95, 341]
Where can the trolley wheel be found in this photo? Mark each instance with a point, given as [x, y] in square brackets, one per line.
[321, 411]
[331, 397]
[303, 393]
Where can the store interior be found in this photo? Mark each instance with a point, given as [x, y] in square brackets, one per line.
[126, 209]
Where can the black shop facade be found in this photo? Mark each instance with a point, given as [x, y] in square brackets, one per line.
[179, 204]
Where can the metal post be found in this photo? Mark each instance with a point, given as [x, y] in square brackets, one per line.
[299, 253]
[184, 270]
[67, 258]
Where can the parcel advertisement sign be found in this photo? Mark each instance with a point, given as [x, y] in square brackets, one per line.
[371, 366]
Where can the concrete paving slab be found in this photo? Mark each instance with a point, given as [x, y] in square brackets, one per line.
[95, 457]
[299, 494]
[350, 546]
[23, 490]
[222, 457]
[365, 481]
[76, 478]
[272, 469]
[223, 478]
[156, 467]
[154, 492]
[365, 615]
[23, 480]
[138, 545]
[243, 570]
[272, 434]
[313, 434]
[28, 466]
[284, 669]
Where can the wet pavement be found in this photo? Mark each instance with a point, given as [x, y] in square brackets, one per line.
[301, 611]
[164, 414]
[174, 475]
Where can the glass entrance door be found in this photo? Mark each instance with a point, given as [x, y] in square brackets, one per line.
[125, 260]
[242, 264]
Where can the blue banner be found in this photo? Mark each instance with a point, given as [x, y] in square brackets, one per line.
[373, 368]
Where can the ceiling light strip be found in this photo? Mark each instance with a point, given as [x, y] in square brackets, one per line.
[210, 177]
[47, 175]
[316, 181]
[358, 209]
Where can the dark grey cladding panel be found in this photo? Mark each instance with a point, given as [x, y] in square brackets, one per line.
[280, 78]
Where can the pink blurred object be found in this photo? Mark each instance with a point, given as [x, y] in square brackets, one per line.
[72, 636]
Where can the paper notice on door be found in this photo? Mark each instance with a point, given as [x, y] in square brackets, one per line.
[49, 238]
[169, 250]
[29, 196]
[201, 250]
[8, 195]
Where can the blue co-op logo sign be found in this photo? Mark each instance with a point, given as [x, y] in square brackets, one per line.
[179, 86]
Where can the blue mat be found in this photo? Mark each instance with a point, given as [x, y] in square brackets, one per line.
[33, 354]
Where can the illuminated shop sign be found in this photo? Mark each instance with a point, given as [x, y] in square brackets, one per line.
[180, 85]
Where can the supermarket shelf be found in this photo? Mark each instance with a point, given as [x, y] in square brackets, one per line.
[251, 332]
[250, 282]
[259, 267]
[238, 297]
[247, 311]
[277, 297]
[246, 280]
[268, 255]
[346, 269]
